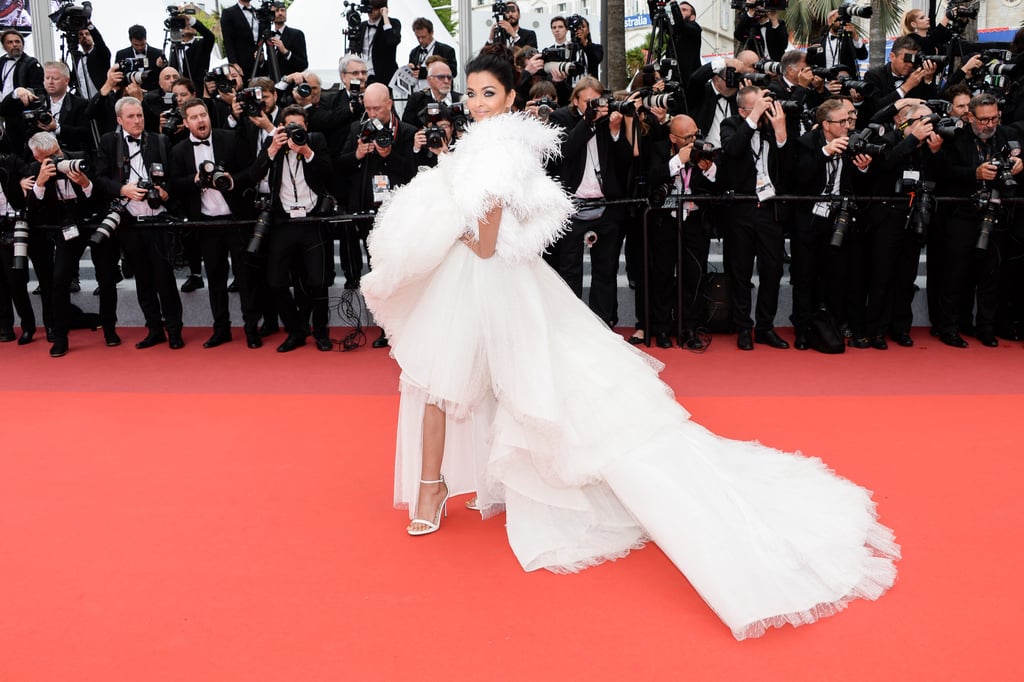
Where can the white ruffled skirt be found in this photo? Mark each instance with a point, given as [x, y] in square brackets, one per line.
[555, 419]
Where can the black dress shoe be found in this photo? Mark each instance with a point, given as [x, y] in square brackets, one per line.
[192, 282]
[380, 342]
[904, 340]
[152, 338]
[952, 339]
[268, 329]
[291, 343]
[323, 341]
[744, 340]
[637, 338]
[174, 340]
[663, 340]
[59, 348]
[110, 337]
[859, 342]
[988, 339]
[26, 336]
[690, 341]
[218, 338]
[770, 338]
[800, 342]
[7, 335]
[253, 340]
[878, 343]
[233, 287]
[351, 284]
[76, 286]
[50, 338]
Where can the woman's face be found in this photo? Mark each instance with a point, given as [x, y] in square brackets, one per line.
[487, 96]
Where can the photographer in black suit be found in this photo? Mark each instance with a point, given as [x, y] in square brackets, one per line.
[763, 32]
[347, 101]
[758, 160]
[290, 44]
[438, 90]
[218, 193]
[140, 48]
[240, 30]
[58, 111]
[91, 70]
[517, 36]
[687, 36]
[711, 100]
[64, 198]
[838, 46]
[14, 183]
[381, 36]
[899, 78]
[595, 158]
[191, 56]
[297, 253]
[124, 175]
[428, 47]
[17, 69]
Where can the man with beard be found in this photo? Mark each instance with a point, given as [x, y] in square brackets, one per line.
[517, 36]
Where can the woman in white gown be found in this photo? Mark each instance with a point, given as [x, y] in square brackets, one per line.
[511, 387]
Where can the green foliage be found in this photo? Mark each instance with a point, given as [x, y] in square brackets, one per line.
[635, 58]
[445, 15]
[806, 18]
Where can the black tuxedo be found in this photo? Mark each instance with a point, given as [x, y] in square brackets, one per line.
[27, 72]
[526, 38]
[441, 50]
[237, 160]
[383, 50]
[343, 109]
[152, 68]
[687, 38]
[807, 98]
[883, 81]
[297, 59]
[418, 102]
[593, 55]
[704, 100]
[192, 59]
[13, 283]
[846, 54]
[239, 44]
[771, 45]
[96, 64]
[73, 123]
[147, 247]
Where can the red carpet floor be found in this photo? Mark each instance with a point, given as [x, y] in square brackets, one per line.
[225, 514]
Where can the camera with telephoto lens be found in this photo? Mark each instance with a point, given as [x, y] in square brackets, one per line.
[499, 10]
[172, 120]
[353, 30]
[65, 166]
[251, 101]
[845, 210]
[849, 10]
[859, 142]
[262, 226]
[177, 21]
[36, 113]
[108, 226]
[594, 104]
[221, 76]
[71, 18]
[432, 118]
[962, 11]
[759, 79]
[919, 58]
[789, 107]
[297, 134]
[545, 106]
[768, 67]
[375, 131]
[214, 176]
[704, 151]
[759, 6]
[922, 206]
[990, 203]
[849, 84]
[130, 64]
[621, 106]
[19, 238]
[265, 12]
[152, 185]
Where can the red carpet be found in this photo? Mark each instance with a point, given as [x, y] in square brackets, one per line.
[225, 515]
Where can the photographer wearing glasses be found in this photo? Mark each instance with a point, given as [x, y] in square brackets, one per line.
[438, 90]
[983, 161]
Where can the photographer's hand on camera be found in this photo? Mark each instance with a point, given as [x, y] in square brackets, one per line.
[836, 146]
[777, 117]
[25, 95]
[970, 65]
[920, 129]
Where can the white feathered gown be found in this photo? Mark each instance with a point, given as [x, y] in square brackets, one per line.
[556, 419]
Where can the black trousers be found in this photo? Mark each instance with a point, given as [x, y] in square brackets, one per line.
[1010, 314]
[147, 249]
[675, 249]
[894, 253]
[192, 247]
[40, 253]
[754, 233]
[218, 244]
[973, 275]
[817, 269]
[66, 255]
[351, 242]
[604, 261]
[300, 255]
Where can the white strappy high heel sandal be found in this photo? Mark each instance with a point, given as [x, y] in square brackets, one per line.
[431, 526]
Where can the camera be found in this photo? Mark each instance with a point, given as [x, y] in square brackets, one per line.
[947, 127]
[152, 185]
[354, 21]
[544, 107]
[262, 226]
[849, 83]
[297, 134]
[251, 101]
[71, 18]
[108, 226]
[990, 202]
[919, 58]
[65, 166]
[789, 107]
[849, 10]
[845, 210]
[858, 142]
[177, 21]
[768, 67]
[19, 238]
[922, 206]
[962, 11]
[265, 12]
[433, 130]
[459, 116]
[375, 131]
[37, 114]
[222, 77]
[214, 176]
[759, 79]
[622, 107]
[172, 119]
[568, 68]
[133, 69]
[759, 6]
[704, 151]
[498, 11]
[1004, 164]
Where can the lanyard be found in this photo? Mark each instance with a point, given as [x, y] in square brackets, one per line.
[292, 172]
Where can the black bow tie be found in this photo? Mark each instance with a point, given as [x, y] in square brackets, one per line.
[196, 143]
[130, 139]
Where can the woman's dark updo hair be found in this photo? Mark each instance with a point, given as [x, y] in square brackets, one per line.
[497, 60]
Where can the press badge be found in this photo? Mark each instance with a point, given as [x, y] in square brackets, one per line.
[297, 212]
[822, 209]
[70, 232]
[764, 189]
[381, 187]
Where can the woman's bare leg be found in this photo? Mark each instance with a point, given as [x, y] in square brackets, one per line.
[431, 494]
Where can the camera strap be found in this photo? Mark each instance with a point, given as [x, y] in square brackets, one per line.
[7, 74]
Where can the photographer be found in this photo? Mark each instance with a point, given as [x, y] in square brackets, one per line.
[381, 36]
[257, 113]
[596, 156]
[687, 36]
[216, 191]
[838, 46]
[219, 88]
[153, 59]
[297, 254]
[290, 44]
[347, 102]
[900, 77]
[128, 171]
[64, 198]
[102, 105]
[191, 55]
[711, 98]
[376, 158]
[762, 31]
[976, 163]
[821, 269]
[17, 69]
[793, 84]
[757, 162]
[438, 90]
[56, 111]
[675, 170]
[241, 31]
[419, 57]
[159, 100]
[14, 183]
[91, 68]
[590, 54]
[508, 24]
